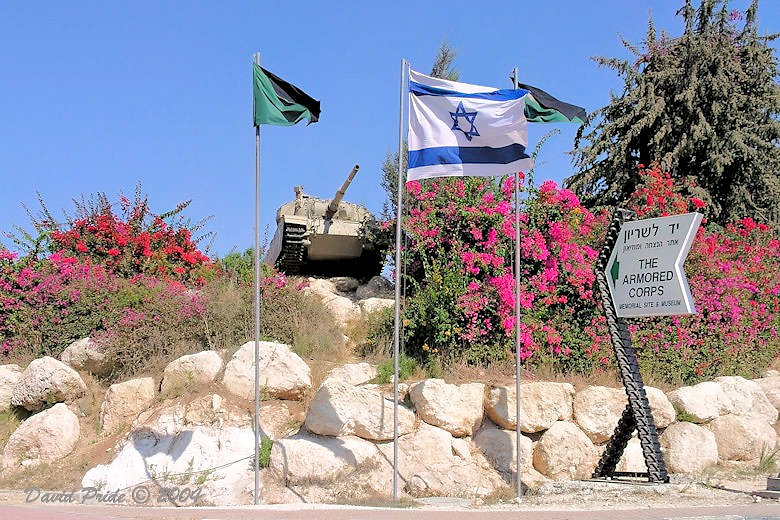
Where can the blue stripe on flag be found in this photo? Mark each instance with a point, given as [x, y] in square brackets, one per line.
[419, 89]
[466, 155]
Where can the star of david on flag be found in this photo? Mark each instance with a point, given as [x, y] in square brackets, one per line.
[458, 129]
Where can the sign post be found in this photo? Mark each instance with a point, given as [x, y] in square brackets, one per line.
[639, 274]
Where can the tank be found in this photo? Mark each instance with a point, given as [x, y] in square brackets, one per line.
[317, 236]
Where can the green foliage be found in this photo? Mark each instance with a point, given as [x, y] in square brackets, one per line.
[264, 455]
[704, 104]
[406, 367]
[683, 416]
[767, 460]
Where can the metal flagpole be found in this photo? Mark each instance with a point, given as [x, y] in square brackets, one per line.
[396, 335]
[257, 307]
[517, 314]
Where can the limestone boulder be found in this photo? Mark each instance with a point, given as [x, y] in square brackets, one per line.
[283, 374]
[771, 388]
[702, 402]
[661, 407]
[433, 463]
[87, 356]
[281, 418]
[340, 409]
[46, 381]
[9, 376]
[742, 437]
[377, 287]
[564, 452]
[45, 437]
[688, 448]
[745, 397]
[125, 401]
[191, 371]
[344, 283]
[597, 410]
[633, 459]
[699, 403]
[342, 308]
[541, 405]
[500, 448]
[180, 440]
[354, 373]
[312, 459]
[455, 408]
[371, 305]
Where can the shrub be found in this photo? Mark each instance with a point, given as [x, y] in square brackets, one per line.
[462, 303]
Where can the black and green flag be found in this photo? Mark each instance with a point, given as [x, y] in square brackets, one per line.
[280, 103]
[541, 107]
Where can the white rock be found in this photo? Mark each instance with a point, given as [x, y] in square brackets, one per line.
[387, 390]
[661, 407]
[455, 408]
[46, 436]
[597, 410]
[345, 283]
[9, 376]
[500, 448]
[771, 388]
[742, 437]
[430, 466]
[688, 448]
[354, 373]
[124, 401]
[281, 418]
[191, 371]
[46, 381]
[541, 404]
[702, 402]
[283, 375]
[371, 305]
[87, 356]
[377, 287]
[150, 455]
[747, 398]
[564, 452]
[633, 459]
[343, 309]
[309, 459]
[340, 409]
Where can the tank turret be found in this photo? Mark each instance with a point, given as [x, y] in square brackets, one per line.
[323, 236]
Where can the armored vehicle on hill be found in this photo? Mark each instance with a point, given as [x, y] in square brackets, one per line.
[323, 237]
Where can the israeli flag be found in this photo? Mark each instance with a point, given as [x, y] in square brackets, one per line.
[458, 129]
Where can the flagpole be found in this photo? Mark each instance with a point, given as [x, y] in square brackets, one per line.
[517, 316]
[257, 308]
[396, 335]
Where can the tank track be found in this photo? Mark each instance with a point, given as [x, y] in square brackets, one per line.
[637, 415]
[291, 257]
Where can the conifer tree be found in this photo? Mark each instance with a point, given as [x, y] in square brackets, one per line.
[704, 105]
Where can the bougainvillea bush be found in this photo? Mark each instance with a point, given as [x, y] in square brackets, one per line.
[460, 268]
[734, 275]
[460, 279]
[138, 284]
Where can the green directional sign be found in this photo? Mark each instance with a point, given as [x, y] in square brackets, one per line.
[645, 271]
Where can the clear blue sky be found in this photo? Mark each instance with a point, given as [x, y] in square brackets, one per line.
[97, 96]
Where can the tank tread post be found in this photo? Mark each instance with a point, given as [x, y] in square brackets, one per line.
[617, 444]
[291, 256]
[641, 418]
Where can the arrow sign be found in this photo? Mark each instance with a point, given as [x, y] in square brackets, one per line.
[645, 271]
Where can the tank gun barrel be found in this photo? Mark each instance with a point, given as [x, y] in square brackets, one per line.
[334, 204]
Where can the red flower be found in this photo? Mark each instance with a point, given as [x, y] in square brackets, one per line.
[113, 251]
[81, 247]
[698, 203]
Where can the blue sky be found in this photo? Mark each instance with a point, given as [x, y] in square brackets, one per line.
[97, 96]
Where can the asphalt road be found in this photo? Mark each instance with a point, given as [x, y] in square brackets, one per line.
[764, 511]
